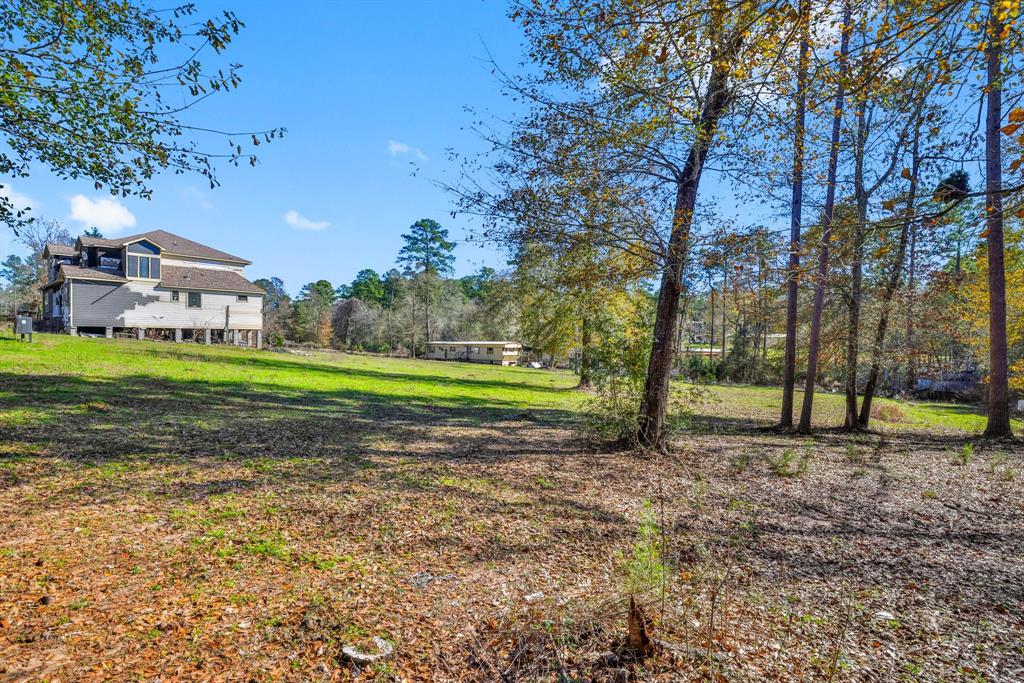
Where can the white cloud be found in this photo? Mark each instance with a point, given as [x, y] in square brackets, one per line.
[109, 215]
[395, 148]
[194, 193]
[18, 200]
[300, 222]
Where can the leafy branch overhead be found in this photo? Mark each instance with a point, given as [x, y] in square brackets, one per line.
[99, 91]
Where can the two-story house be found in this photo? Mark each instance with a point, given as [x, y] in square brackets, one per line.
[154, 284]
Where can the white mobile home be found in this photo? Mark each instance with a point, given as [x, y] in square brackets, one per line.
[493, 352]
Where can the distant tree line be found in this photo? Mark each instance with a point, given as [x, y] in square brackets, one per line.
[398, 311]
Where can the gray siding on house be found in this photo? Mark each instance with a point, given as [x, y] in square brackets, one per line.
[103, 304]
[139, 303]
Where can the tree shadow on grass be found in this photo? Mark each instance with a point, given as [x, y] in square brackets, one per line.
[281, 362]
[191, 444]
[142, 419]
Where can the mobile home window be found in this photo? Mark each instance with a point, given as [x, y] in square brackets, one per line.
[490, 350]
[241, 298]
[175, 296]
[195, 300]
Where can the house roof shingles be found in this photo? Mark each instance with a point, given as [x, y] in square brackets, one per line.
[80, 273]
[60, 250]
[98, 242]
[175, 244]
[178, 277]
[171, 243]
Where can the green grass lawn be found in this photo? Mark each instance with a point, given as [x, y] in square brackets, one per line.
[460, 384]
[59, 375]
[744, 403]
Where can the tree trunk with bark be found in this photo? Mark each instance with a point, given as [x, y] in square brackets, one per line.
[792, 285]
[426, 308]
[725, 323]
[998, 381]
[814, 342]
[892, 283]
[851, 423]
[654, 403]
[911, 383]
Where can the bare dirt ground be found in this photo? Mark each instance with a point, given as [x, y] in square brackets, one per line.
[490, 546]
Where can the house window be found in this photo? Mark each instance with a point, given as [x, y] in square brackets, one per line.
[144, 266]
[195, 300]
[241, 298]
[175, 296]
[490, 350]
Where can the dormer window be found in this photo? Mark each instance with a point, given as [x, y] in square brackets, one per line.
[147, 267]
[143, 260]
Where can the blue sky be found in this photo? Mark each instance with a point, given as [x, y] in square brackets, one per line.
[364, 89]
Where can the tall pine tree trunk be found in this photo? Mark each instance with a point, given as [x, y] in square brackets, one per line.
[998, 388]
[856, 271]
[893, 282]
[792, 288]
[814, 342]
[426, 310]
[412, 327]
[391, 335]
[911, 383]
[654, 403]
[725, 323]
[711, 351]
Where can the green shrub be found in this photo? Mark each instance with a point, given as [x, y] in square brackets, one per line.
[853, 452]
[620, 349]
[740, 461]
[644, 571]
[700, 368]
[788, 465]
[964, 456]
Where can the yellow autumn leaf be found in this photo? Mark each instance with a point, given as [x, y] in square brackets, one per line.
[906, 174]
[984, 233]
[1011, 129]
[1017, 115]
[889, 204]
